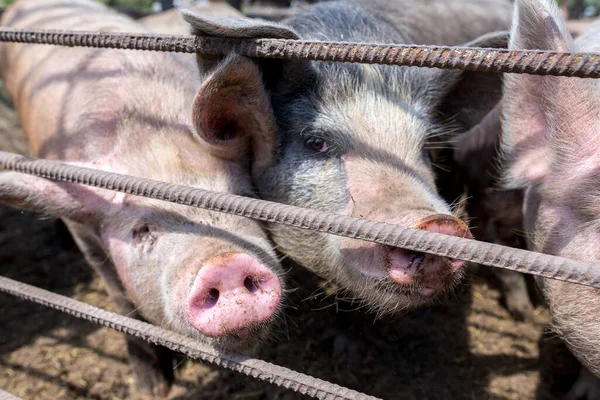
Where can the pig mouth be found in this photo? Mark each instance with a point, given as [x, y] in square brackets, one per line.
[391, 278]
[416, 280]
[420, 289]
[422, 274]
[245, 340]
[423, 286]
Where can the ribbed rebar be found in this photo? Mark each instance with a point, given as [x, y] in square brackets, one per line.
[493, 255]
[536, 62]
[192, 348]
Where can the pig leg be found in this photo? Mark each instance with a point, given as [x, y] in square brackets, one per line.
[502, 228]
[495, 229]
[496, 213]
[516, 296]
[151, 365]
[587, 387]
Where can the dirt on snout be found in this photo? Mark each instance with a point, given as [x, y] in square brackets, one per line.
[468, 349]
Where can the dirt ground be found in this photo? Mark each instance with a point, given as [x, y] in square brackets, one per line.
[467, 349]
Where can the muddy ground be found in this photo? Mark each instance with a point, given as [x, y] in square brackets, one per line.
[467, 349]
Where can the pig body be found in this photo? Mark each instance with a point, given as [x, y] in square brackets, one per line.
[551, 143]
[211, 276]
[351, 138]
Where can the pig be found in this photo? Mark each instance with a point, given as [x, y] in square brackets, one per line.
[211, 276]
[351, 138]
[496, 214]
[550, 148]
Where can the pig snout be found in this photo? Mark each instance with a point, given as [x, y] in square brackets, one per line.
[231, 294]
[427, 272]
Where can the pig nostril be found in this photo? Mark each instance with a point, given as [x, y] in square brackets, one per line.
[250, 284]
[213, 297]
[417, 258]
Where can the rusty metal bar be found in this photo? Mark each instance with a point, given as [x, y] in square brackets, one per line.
[536, 62]
[493, 255]
[192, 348]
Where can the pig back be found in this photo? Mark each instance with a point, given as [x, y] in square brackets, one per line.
[443, 22]
[74, 102]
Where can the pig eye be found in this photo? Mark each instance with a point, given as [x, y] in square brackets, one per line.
[316, 144]
[427, 156]
[140, 233]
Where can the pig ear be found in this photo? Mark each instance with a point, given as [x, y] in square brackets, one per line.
[233, 113]
[233, 28]
[60, 199]
[468, 103]
[232, 110]
[536, 25]
[470, 96]
[476, 151]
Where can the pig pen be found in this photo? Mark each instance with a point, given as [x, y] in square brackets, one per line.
[468, 349]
